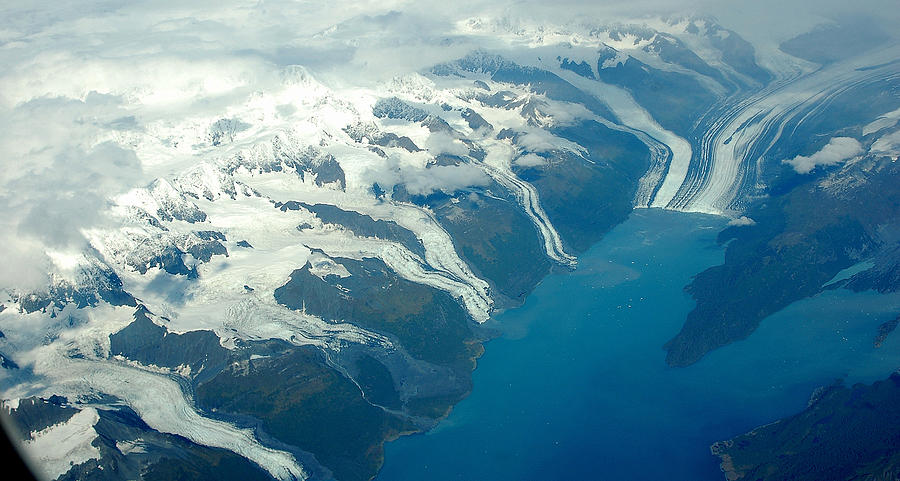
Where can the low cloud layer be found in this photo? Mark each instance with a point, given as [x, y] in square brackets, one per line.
[447, 178]
[888, 144]
[838, 150]
[82, 78]
[530, 160]
[442, 143]
[421, 180]
[56, 179]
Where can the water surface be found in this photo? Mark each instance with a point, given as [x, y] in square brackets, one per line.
[577, 388]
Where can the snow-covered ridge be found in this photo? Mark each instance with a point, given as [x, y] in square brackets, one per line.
[652, 40]
[207, 181]
[524, 113]
[193, 220]
[735, 135]
[215, 133]
[528, 197]
[533, 34]
[202, 244]
[73, 364]
[671, 153]
[162, 200]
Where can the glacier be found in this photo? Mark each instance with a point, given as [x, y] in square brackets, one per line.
[200, 239]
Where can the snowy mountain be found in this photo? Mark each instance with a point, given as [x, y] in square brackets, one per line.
[304, 266]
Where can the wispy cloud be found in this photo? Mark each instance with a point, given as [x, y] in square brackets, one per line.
[56, 178]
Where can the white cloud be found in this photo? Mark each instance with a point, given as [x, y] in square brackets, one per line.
[838, 149]
[564, 113]
[79, 75]
[539, 140]
[412, 171]
[56, 178]
[888, 144]
[530, 160]
[442, 143]
[85, 84]
[446, 178]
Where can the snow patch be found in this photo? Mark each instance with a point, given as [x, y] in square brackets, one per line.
[530, 160]
[128, 447]
[322, 266]
[57, 448]
[742, 221]
[887, 120]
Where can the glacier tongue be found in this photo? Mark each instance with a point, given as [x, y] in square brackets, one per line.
[528, 198]
[161, 403]
[404, 263]
[672, 153]
[738, 141]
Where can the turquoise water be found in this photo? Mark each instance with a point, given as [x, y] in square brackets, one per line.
[577, 387]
